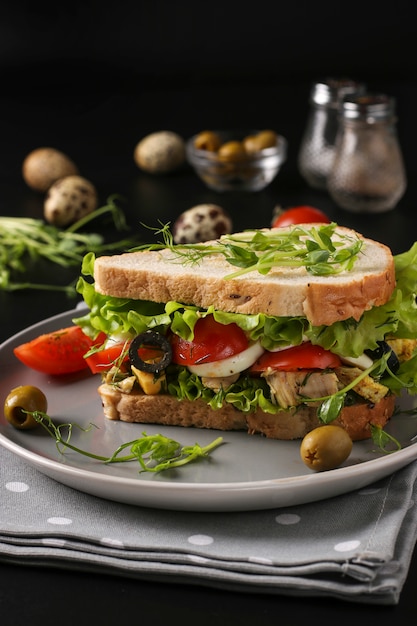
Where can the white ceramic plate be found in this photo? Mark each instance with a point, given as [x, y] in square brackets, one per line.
[245, 473]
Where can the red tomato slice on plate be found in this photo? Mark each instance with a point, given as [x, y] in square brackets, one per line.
[59, 352]
[306, 356]
[212, 342]
[300, 215]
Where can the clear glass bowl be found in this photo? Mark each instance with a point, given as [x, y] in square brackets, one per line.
[253, 173]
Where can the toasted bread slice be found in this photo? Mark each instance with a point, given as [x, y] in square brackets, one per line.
[169, 411]
[160, 276]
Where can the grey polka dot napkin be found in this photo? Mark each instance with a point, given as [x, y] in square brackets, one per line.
[353, 547]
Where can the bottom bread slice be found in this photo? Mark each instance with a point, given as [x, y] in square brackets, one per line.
[167, 410]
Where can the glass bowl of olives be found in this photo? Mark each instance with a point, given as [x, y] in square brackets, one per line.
[237, 160]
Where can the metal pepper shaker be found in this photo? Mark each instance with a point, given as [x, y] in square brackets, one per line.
[316, 153]
[368, 173]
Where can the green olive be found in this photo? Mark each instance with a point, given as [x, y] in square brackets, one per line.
[262, 140]
[207, 140]
[250, 144]
[325, 447]
[232, 151]
[22, 399]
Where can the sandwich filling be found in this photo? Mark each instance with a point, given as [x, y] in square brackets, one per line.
[255, 361]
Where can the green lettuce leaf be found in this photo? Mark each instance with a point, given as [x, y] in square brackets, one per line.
[404, 378]
[405, 294]
[246, 394]
[398, 317]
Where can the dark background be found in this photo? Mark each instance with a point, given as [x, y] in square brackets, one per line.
[111, 75]
[92, 81]
[200, 41]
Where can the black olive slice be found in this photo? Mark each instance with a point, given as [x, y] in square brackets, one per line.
[383, 348]
[150, 339]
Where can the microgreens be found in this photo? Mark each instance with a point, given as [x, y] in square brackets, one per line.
[331, 406]
[154, 453]
[319, 249]
[24, 240]
[384, 441]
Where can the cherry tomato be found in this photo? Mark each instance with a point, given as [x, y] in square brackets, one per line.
[59, 352]
[212, 342]
[300, 215]
[304, 356]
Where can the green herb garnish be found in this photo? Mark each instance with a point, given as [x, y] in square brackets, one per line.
[331, 406]
[25, 240]
[319, 249]
[383, 440]
[154, 453]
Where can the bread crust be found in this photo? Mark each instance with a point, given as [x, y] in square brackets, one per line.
[169, 411]
[160, 277]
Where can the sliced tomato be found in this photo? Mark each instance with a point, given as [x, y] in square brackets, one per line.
[118, 354]
[103, 360]
[59, 352]
[300, 215]
[305, 356]
[212, 342]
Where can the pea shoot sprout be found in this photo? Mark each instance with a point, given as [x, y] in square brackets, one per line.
[320, 249]
[24, 240]
[154, 453]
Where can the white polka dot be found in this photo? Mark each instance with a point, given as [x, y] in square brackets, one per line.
[260, 560]
[347, 546]
[200, 540]
[53, 542]
[109, 541]
[17, 487]
[59, 521]
[369, 491]
[286, 519]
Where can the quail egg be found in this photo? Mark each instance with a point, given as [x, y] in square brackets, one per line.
[43, 166]
[69, 199]
[160, 152]
[201, 223]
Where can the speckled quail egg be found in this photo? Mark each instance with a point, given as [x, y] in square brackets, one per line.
[43, 166]
[160, 152]
[201, 223]
[69, 199]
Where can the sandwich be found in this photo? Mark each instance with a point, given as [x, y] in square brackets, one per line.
[273, 331]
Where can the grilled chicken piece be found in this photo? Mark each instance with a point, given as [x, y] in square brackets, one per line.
[123, 382]
[368, 387]
[291, 388]
[403, 348]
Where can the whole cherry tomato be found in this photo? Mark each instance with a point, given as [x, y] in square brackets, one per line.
[304, 214]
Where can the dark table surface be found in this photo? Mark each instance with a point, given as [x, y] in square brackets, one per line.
[100, 132]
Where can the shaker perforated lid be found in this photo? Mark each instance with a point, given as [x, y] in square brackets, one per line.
[331, 91]
[368, 107]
